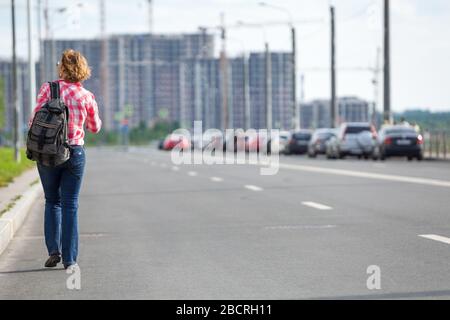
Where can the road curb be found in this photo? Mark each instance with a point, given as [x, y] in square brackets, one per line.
[12, 220]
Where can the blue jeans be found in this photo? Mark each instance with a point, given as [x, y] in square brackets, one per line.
[62, 187]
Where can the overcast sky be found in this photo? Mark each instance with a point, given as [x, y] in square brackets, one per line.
[420, 38]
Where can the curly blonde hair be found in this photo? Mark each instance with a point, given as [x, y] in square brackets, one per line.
[73, 66]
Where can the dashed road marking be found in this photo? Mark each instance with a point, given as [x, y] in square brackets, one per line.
[216, 179]
[316, 205]
[192, 174]
[175, 168]
[436, 238]
[302, 227]
[254, 188]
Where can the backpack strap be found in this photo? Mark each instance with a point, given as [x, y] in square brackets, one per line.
[43, 132]
[66, 135]
[54, 90]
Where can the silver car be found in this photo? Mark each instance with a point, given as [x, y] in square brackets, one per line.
[353, 139]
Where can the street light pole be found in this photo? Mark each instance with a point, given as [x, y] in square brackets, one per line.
[333, 68]
[295, 105]
[15, 96]
[224, 74]
[31, 64]
[387, 64]
[40, 40]
[246, 66]
[268, 68]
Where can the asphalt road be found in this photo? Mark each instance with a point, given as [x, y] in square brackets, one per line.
[152, 230]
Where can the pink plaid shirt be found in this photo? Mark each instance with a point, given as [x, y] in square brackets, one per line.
[82, 109]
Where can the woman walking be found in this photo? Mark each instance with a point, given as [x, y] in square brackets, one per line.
[62, 183]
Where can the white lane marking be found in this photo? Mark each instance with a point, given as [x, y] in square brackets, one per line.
[254, 188]
[153, 163]
[175, 168]
[316, 205]
[192, 173]
[163, 165]
[368, 175]
[436, 238]
[301, 227]
[216, 179]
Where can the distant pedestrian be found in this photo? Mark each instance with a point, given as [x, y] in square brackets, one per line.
[62, 183]
[403, 122]
[416, 126]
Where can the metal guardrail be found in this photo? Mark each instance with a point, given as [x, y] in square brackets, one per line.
[437, 144]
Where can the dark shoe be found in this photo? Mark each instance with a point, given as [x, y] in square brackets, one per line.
[52, 261]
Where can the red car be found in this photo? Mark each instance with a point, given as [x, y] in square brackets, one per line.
[175, 140]
[256, 143]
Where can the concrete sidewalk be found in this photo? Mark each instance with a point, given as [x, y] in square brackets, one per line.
[20, 185]
[16, 201]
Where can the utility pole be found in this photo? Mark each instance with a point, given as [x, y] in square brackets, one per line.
[333, 104]
[47, 22]
[49, 37]
[104, 67]
[224, 74]
[268, 90]
[375, 82]
[31, 64]
[246, 68]
[150, 16]
[41, 51]
[198, 103]
[302, 87]
[15, 96]
[295, 105]
[387, 64]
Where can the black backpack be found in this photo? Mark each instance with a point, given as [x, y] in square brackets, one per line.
[47, 141]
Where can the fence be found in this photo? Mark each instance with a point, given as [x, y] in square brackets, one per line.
[437, 144]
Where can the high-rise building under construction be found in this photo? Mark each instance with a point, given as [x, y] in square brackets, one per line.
[145, 73]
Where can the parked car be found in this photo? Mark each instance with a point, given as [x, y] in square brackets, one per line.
[353, 139]
[279, 146]
[236, 142]
[298, 142]
[270, 144]
[176, 140]
[256, 143]
[399, 141]
[318, 143]
[161, 144]
[210, 141]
